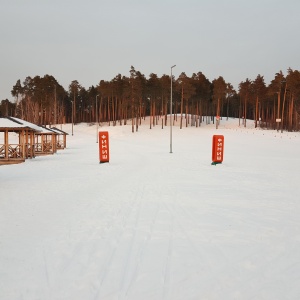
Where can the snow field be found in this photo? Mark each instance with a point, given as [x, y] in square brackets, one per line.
[151, 224]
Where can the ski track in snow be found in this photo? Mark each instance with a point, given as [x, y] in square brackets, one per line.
[154, 225]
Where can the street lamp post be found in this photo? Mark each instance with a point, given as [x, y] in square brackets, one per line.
[97, 119]
[72, 116]
[171, 101]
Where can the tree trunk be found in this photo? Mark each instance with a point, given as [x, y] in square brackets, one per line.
[278, 110]
[245, 112]
[181, 108]
[218, 113]
[283, 105]
[256, 111]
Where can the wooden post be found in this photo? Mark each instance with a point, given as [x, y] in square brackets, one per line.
[6, 144]
[23, 143]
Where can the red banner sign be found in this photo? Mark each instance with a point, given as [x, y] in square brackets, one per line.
[103, 146]
[217, 148]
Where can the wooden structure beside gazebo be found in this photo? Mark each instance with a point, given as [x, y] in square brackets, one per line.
[45, 141]
[23, 147]
[61, 142]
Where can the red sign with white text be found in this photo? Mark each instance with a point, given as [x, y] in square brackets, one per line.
[103, 146]
[217, 148]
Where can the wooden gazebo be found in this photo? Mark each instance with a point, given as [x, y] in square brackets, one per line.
[45, 141]
[17, 142]
[61, 142]
[44, 138]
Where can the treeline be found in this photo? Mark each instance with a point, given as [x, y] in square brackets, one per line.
[42, 100]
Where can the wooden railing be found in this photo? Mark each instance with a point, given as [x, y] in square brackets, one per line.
[43, 147]
[14, 151]
[38, 147]
[2, 151]
[29, 150]
[60, 144]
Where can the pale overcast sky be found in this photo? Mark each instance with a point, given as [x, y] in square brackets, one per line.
[92, 40]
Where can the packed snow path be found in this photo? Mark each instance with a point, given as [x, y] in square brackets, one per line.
[154, 225]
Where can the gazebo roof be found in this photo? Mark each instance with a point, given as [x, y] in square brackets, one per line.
[13, 124]
[59, 131]
[38, 128]
[46, 130]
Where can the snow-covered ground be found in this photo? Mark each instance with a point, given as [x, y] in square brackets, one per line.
[151, 224]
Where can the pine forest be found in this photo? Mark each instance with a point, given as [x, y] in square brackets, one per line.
[43, 101]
